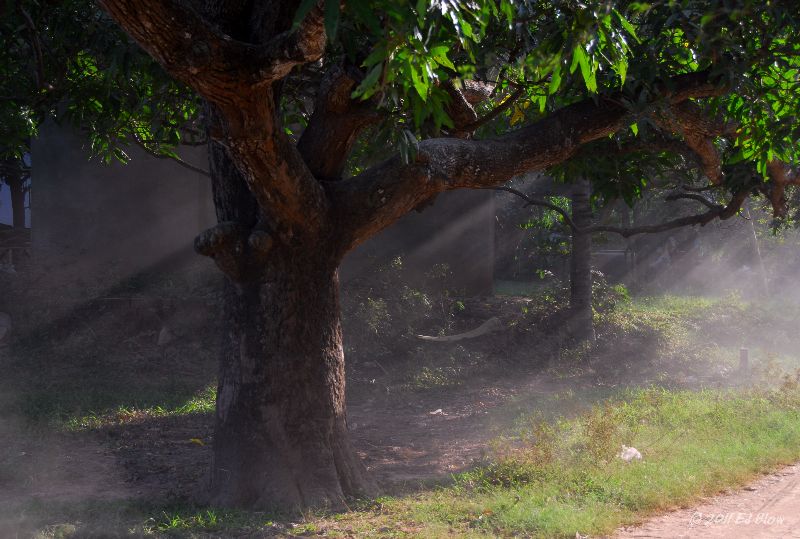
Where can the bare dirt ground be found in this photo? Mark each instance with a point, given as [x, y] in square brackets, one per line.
[405, 440]
[767, 508]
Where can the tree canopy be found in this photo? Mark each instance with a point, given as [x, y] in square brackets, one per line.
[422, 70]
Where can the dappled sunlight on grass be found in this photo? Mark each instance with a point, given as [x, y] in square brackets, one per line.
[201, 403]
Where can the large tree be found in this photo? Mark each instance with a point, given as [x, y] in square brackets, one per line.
[303, 104]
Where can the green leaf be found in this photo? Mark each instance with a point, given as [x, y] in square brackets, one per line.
[364, 12]
[635, 129]
[627, 25]
[375, 57]
[368, 85]
[589, 76]
[466, 28]
[621, 67]
[439, 53]
[555, 81]
[420, 85]
[421, 9]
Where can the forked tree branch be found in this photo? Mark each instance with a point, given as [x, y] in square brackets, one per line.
[334, 125]
[236, 77]
[217, 66]
[382, 194]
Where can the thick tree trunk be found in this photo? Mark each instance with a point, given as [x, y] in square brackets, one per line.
[281, 437]
[581, 326]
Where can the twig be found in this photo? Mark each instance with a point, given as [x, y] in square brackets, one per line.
[699, 198]
[178, 160]
[715, 211]
[494, 113]
[539, 202]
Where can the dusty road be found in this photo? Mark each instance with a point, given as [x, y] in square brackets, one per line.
[768, 508]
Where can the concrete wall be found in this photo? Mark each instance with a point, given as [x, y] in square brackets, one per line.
[112, 221]
[95, 221]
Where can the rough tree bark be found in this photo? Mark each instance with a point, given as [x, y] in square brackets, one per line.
[287, 218]
[580, 325]
[281, 435]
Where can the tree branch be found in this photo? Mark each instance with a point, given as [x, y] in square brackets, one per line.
[781, 176]
[217, 66]
[36, 44]
[494, 113]
[335, 124]
[530, 201]
[693, 196]
[699, 132]
[382, 194]
[715, 211]
[177, 160]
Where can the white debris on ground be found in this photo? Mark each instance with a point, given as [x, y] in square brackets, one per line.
[629, 453]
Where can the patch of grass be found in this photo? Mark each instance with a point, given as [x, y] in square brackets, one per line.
[202, 402]
[565, 476]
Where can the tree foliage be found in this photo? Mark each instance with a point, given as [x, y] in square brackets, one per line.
[69, 61]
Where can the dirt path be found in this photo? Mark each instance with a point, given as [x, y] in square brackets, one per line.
[768, 508]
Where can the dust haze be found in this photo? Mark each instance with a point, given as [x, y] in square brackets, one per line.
[113, 329]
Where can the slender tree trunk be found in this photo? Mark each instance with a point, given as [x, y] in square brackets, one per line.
[581, 265]
[14, 177]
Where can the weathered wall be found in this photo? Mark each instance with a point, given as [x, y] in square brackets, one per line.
[107, 222]
[103, 223]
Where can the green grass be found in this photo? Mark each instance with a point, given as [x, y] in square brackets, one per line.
[201, 403]
[564, 477]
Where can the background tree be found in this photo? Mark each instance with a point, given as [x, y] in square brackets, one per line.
[470, 94]
[16, 175]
